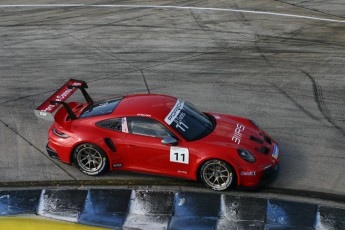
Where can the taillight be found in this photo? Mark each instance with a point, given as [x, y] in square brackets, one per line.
[60, 134]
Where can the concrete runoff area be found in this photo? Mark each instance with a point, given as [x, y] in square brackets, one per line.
[146, 209]
[286, 72]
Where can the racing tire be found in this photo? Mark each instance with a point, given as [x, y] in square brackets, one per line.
[217, 174]
[90, 159]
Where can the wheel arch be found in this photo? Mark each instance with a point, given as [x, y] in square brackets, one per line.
[237, 173]
[76, 145]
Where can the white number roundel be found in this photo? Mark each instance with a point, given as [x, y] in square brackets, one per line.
[179, 155]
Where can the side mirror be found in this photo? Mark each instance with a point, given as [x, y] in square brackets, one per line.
[169, 141]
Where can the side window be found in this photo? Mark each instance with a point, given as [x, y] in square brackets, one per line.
[113, 124]
[147, 127]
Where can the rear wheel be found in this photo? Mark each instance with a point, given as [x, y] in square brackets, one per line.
[90, 159]
[217, 174]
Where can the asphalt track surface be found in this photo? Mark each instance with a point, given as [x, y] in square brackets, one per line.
[280, 63]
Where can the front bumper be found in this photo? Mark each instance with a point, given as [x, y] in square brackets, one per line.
[268, 175]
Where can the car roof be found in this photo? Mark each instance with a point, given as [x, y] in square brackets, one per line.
[156, 106]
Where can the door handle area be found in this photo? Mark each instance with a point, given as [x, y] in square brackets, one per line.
[133, 146]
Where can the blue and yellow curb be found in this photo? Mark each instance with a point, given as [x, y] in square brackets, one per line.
[145, 209]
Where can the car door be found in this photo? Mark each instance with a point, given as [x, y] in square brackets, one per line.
[113, 135]
[145, 152]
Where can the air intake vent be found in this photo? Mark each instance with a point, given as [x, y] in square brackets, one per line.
[110, 144]
[113, 124]
[267, 139]
[265, 150]
[256, 140]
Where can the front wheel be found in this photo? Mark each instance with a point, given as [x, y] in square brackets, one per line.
[217, 174]
[90, 159]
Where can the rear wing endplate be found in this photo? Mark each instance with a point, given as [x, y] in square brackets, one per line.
[46, 110]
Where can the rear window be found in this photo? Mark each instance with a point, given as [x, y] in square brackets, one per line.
[100, 108]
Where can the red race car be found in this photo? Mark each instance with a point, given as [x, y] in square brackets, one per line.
[157, 134]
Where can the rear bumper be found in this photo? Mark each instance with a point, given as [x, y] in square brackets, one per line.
[52, 153]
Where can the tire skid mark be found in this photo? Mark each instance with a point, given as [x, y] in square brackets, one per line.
[27, 96]
[306, 8]
[306, 112]
[40, 151]
[101, 50]
[62, 17]
[293, 34]
[41, 23]
[74, 31]
[267, 61]
[211, 29]
[319, 100]
[111, 55]
[130, 71]
[184, 3]
[205, 28]
[258, 49]
[318, 96]
[301, 40]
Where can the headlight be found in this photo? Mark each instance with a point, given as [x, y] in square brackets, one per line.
[59, 134]
[246, 155]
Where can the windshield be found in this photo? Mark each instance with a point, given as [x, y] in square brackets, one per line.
[189, 122]
[100, 108]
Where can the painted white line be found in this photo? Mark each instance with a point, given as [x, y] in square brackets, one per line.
[177, 7]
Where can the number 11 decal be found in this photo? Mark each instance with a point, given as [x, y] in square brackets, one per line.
[179, 155]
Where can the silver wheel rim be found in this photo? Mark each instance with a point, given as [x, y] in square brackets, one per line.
[89, 159]
[217, 175]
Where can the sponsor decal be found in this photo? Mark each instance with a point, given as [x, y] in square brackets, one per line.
[217, 116]
[179, 155]
[174, 112]
[49, 108]
[248, 173]
[124, 125]
[179, 122]
[143, 115]
[238, 133]
[65, 94]
[43, 113]
[177, 116]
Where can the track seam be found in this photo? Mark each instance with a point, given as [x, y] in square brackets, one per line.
[32, 145]
[179, 8]
[306, 8]
[267, 61]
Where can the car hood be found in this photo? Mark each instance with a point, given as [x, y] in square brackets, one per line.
[239, 133]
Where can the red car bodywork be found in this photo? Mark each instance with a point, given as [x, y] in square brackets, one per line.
[148, 155]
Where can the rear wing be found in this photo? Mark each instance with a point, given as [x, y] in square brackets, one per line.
[46, 110]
